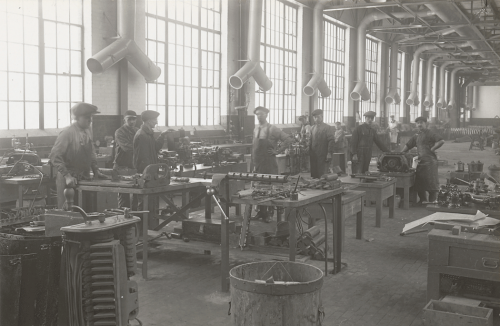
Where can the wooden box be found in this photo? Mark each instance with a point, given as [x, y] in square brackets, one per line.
[439, 313]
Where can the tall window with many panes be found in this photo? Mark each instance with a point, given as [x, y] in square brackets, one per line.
[334, 70]
[279, 60]
[41, 62]
[184, 38]
[371, 76]
[394, 109]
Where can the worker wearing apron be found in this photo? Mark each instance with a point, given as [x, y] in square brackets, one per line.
[321, 145]
[362, 141]
[264, 151]
[427, 142]
[124, 139]
[73, 153]
[393, 132]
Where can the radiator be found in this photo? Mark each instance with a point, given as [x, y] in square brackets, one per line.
[98, 260]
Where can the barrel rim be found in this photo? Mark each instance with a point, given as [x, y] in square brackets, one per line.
[276, 289]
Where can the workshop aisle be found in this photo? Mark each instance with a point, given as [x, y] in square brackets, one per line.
[383, 280]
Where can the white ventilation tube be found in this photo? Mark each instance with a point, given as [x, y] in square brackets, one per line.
[360, 91]
[392, 95]
[428, 86]
[124, 47]
[317, 81]
[252, 67]
[413, 97]
[453, 88]
[475, 97]
[442, 76]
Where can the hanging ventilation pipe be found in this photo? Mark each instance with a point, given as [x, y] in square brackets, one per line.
[317, 81]
[413, 97]
[360, 92]
[393, 96]
[475, 97]
[453, 87]
[252, 67]
[124, 46]
[442, 76]
[428, 85]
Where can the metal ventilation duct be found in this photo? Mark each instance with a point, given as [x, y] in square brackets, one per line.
[318, 81]
[442, 75]
[360, 91]
[252, 67]
[124, 46]
[393, 96]
[428, 85]
[453, 88]
[413, 97]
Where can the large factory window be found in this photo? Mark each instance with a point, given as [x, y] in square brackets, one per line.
[279, 60]
[186, 35]
[40, 62]
[334, 70]
[394, 109]
[371, 76]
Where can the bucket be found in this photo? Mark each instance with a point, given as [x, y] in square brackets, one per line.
[293, 300]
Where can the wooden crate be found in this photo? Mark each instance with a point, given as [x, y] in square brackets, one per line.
[439, 313]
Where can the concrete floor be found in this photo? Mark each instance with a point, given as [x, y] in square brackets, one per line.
[383, 280]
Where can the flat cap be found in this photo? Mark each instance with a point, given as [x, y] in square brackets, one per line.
[316, 112]
[369, 114]
[149, 114]
[260, 108]
[130, 114]
[423, 119]
[302, 118]
[82, 108]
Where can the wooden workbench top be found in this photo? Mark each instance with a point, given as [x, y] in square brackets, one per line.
[100, 186]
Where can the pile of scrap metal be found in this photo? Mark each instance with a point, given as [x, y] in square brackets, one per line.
[452, 197]
[325, 182]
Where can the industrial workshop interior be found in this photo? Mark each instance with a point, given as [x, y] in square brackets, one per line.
[249, 162]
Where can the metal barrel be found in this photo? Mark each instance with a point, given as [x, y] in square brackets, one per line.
[294, 300]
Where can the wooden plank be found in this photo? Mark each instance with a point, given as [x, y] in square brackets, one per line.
[438, 313]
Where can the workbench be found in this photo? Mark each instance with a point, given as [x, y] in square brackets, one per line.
[162, 191]
[200, 168]
[467, 263]
[463, 210]
[22, 183]
[404, 180]
[306, 198]
[376, 191]
[353, 204]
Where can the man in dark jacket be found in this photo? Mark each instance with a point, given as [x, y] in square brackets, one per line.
[362, 141]
[73, 153]
[427, 142]
[145, 146]
[124, 139]
[321, 144]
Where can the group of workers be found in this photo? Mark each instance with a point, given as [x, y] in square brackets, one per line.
[74, 156]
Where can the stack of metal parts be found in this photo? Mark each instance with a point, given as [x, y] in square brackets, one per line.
[98, 260]
[29, 272]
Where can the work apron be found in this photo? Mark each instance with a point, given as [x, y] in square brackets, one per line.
[80, 172]
[263, 161]
[427, 178]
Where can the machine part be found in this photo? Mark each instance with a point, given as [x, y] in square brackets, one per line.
[394, 162]
[98, 259]
[258, 177]
[245, 226]
[24, 155]
[204, 229]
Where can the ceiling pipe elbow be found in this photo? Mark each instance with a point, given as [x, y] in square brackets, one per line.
[360, 92]
[125, 47]
[413, 99]
[393, 97]
[252, 67]
[317, 78]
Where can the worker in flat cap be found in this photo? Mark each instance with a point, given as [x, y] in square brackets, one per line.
[124, 142]
[145, 145]
[393, 129]
[321, 145]
[305, 128]
[363, 137]
[73, 153]
[427, 142]
[264, 150]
